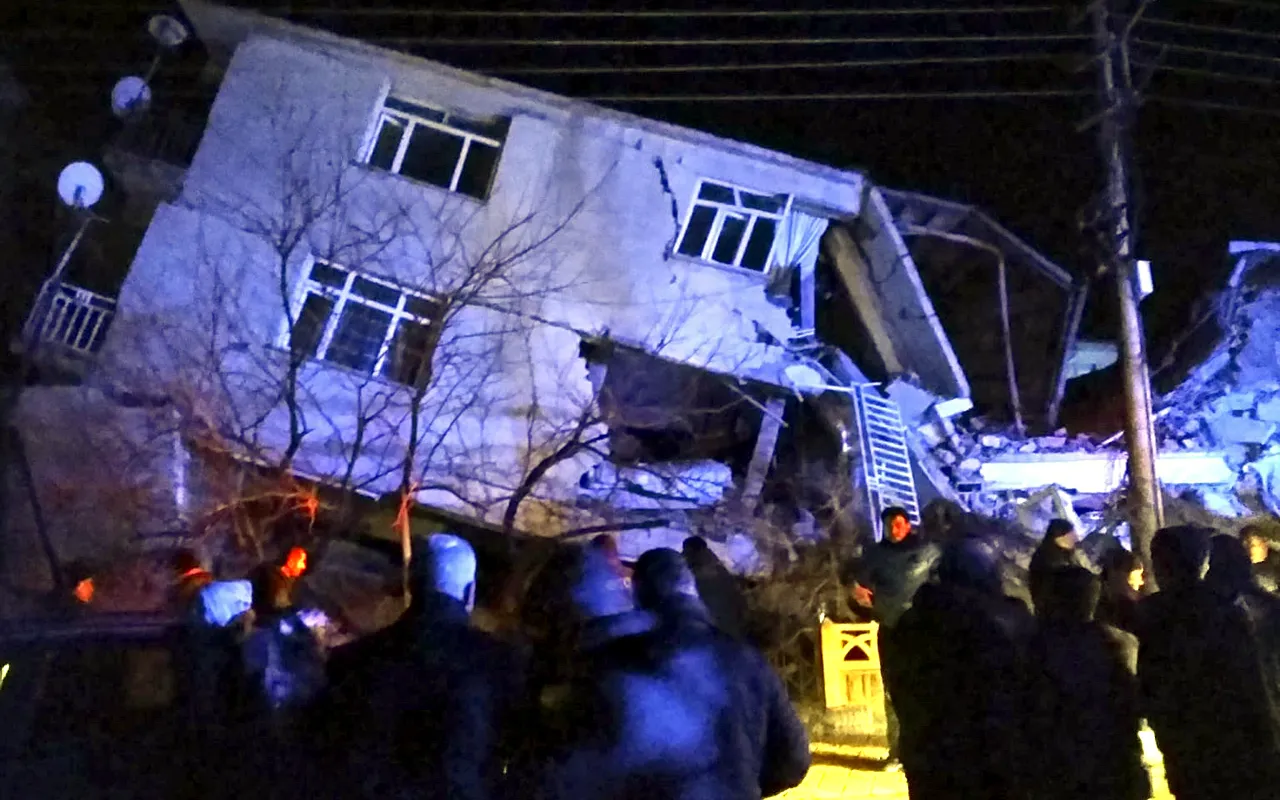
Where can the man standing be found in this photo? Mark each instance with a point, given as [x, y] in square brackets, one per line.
[1057, 550]
[885, 582]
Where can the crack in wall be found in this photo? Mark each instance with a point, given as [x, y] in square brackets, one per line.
[670, 247]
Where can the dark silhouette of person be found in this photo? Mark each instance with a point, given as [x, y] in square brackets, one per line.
[761, 747]
[1057, 549]
[1201, 679]
[1122, 581]
[957, 681]
[717, 587]
[1082, 694]
[431, 698]
[885, 582]
[639, 716]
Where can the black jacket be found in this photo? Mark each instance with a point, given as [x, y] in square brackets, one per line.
[1047, 558]
[1205, 697]
[720, 593]
[1083, 715]
[895, 571]
[957, 686]
[430, 702]
[678, 710]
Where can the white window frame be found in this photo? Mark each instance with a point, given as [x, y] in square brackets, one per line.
[724, 211]
[412, 122]
[341, 296]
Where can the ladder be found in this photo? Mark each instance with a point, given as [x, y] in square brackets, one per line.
[885, 460]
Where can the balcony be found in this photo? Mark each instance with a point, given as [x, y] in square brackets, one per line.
[75, 321]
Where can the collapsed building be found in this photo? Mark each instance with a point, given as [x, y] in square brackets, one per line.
[440, 296]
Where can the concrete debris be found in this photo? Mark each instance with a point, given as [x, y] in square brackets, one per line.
[1051, 502]
[993, 442]
[1266, 472]
[1052, 442]
[1029, 447]
[661, 486]
[970, 466]
[1228, 429]
[1268, 410]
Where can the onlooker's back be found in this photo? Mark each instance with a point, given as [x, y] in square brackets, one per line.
[761, 747]
[1201, 680]
[431, 702]
[717, 587]
[957, 686]
[1083, 717]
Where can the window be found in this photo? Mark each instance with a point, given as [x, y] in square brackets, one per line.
[364, 324]
[438, 147]
[732, 226]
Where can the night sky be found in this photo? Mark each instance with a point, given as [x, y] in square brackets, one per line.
[1205, 174]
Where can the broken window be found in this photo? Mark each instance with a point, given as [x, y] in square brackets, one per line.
[732, 226]
[364, 324]
[438, 147]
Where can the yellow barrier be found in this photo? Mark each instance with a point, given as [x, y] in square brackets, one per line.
[851, 665]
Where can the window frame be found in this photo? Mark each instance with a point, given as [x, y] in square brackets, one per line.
[341, 296]
[412, 122]
[723, 211]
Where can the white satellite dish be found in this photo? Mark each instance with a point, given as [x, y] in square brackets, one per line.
[80, 184]
[167, 30]
[131, 95]
[803, 376]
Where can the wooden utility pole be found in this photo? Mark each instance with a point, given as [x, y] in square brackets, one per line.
[1117, 96]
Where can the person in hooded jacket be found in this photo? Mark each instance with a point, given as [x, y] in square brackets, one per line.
[884, 583]
[1082, 694]
[762, 748]
[1201, 680]
[958, 680]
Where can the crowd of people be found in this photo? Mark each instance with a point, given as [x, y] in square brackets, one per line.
[988, 698]
[626, 686]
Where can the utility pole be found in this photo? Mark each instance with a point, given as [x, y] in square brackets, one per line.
[1117, 96]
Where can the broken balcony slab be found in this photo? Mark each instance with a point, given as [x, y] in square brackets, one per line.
[1098, 473]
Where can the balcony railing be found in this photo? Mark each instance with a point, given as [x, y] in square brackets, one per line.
[76, 319]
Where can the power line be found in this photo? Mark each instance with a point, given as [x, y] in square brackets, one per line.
[1186, 48]
[1213, 75]
[1211, 105]
[769, 98]
[1215, 29]
[1245, 4]
[855, 64]
[444, 42]
[669, 13]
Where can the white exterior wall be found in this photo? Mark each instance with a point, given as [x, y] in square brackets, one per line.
[201, 314]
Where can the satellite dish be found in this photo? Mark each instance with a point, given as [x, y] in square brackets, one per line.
[80, 184]
[804, 377]
[131, 95]
[167, 30]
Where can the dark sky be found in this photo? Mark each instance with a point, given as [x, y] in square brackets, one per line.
[1205, 175]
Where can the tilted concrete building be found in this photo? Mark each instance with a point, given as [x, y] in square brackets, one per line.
[371, 256]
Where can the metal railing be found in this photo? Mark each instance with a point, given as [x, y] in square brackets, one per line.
[74, 319]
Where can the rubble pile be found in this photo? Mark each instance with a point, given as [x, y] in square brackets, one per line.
[1230, 400]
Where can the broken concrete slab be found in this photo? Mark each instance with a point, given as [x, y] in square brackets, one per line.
[1098, 473]
[912, 401]
[1241, 430]
[952, 408]
[993, 442]
[1052, 442]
